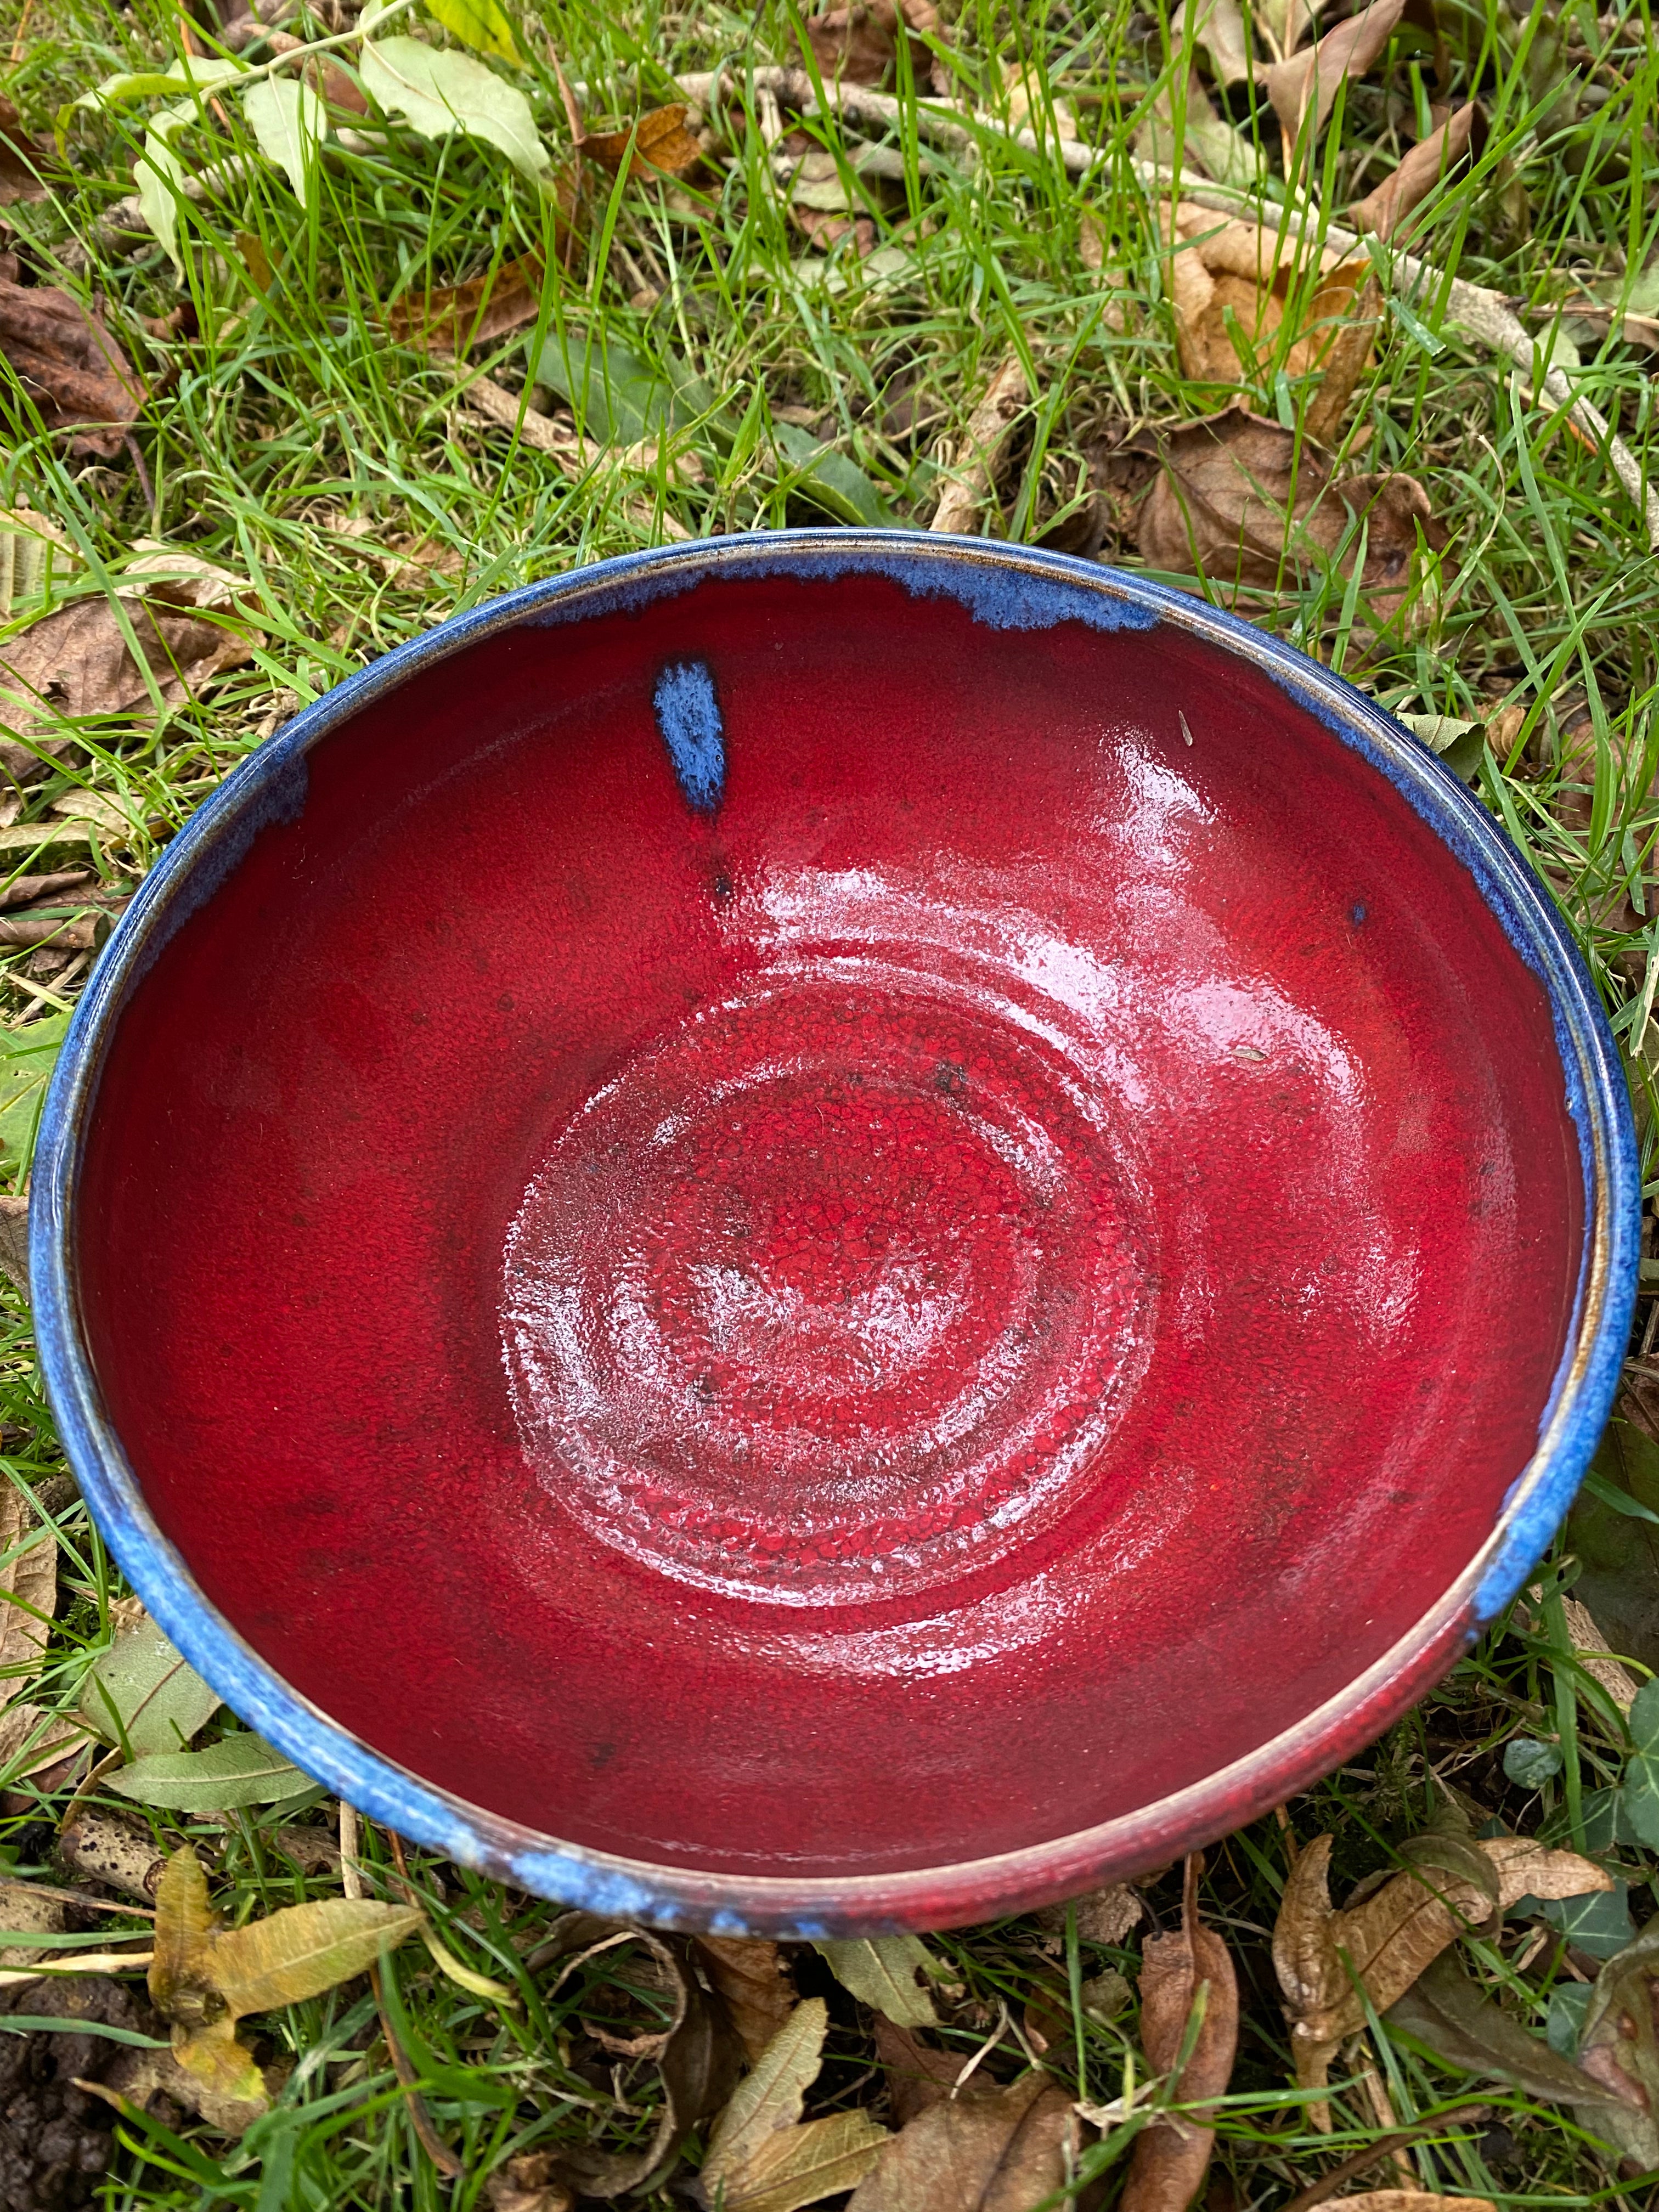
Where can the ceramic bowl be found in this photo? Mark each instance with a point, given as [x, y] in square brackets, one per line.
[833, 1232]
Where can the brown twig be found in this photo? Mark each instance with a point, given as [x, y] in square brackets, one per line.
[420, 2119]
[1384, 2147]
[23, 26]
[573, 113]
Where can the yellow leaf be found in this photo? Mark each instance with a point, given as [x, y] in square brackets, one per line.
[303, 1951]
[800, 2166]
[216, 2056]
[181, 1978]
[771, 2096]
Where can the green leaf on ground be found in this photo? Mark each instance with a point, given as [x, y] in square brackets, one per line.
[140, 1690]
[28, 1057]
[289, 119]
[241, 1770]
[483, 25]
[437, 91]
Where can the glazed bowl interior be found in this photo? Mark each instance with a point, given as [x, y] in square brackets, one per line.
[843, 1234]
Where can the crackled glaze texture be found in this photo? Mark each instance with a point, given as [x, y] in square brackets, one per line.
[789, 1233]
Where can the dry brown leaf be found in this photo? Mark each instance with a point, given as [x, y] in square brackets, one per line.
[1412, 2200]
[980, 453]
[1313, 78]
[660, 143]
[753, 1980]
[769, 2099]
[1243, 501]
[325, 77]
[1167, 2165]
[1222, 266]
[66, 361]
[76, 661]
[28, 1589]
[700, 2059]
[15, 1245]
[999, 2152]
[1103, 1916]
[1323, 1957]
[528, 2183]
[1618, 2047]
[800, 2166]
[918, 2077]
[21, 159]
[31, 1739]
[1218, 27]
[858, 43]
[1432, 158]
[456, 316]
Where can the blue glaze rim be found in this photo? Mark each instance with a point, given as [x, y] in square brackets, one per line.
[1006, 586]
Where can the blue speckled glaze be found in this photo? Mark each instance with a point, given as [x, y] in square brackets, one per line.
[1006, 587]
[688, 715]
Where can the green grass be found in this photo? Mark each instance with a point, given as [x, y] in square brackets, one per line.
[289, 440]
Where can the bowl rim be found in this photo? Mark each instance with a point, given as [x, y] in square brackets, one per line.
[1013, 581]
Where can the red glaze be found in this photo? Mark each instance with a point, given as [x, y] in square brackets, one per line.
[908, 1315]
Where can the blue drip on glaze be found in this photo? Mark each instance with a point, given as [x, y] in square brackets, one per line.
[688, 716]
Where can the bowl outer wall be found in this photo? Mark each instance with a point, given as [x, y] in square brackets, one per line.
[1010, 586]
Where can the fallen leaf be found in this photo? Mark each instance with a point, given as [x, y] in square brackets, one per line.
[139, 1691]
[1218, 27]
[32, 1739]
[1619, 2049]
[1216, 147]
[1004, 2152]
[1310, 80]
[1101, 1916]
[802, 2165]
[1405, 187]
[752, 1978]
[203, 1978]
[1446, 2011]
[660, 139]
[772, 2096]
[699, 2059]
[1413, 2200]
[138, 2076]
[456, 316]
[439, 91]
[483, 25]
[22, 159]
[1055, 116]
[28, 1057]
[289, 122]
[68, 363]
[323, 75]
[883, 1971]
[28, 1589]
[973, 479]
[918, 2077]
[15, 1247]
[76, 661]
[240, 1770]
[1179, 1974]
[858, 43]
[1324, 1959]
[528, 2184]
[1233, 283]
[1247, 503]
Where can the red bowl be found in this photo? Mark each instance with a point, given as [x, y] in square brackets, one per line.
[833, 1232]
